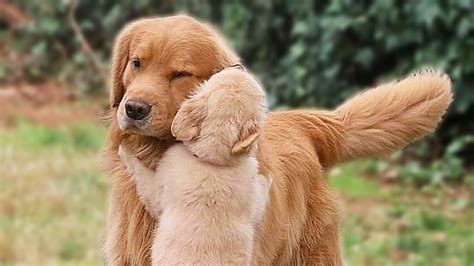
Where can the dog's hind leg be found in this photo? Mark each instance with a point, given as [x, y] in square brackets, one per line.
[321, 243]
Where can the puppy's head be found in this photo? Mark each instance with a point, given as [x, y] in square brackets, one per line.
[223, 119]
[156, 63]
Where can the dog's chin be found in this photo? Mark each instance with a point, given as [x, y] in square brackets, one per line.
[140, 127]
[129, 125]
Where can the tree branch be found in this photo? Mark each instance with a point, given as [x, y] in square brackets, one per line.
[12, 15]
[85, 46]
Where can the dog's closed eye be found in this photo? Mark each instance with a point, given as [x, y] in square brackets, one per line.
[180, 74]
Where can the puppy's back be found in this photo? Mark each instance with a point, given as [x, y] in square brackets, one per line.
[207, 211]
[182, 172]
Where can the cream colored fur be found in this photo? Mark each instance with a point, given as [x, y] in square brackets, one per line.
[223, 118]
[301, 223]
[207, 198]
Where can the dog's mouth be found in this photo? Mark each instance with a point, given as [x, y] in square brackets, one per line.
[149, 126]
[127, 124]
[135, 127]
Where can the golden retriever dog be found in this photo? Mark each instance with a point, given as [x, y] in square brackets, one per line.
[158, 62]
[206, 193]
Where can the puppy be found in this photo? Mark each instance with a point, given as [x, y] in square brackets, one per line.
[206, 192]
[158, 62]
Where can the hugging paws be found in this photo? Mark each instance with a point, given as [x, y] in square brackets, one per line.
[206, 194]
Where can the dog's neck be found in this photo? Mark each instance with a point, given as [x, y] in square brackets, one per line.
[148, 149]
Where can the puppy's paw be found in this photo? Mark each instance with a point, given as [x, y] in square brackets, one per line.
[187, 122]
[127, 159]
[123, 153]
[184, 130]
[268, 184]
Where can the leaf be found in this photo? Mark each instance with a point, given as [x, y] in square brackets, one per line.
[39, 49]
[297, 50]
[365, 57]
[48, 25]
[300, 28]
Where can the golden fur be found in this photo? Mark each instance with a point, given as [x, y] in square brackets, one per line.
[205, 198]
[206, 213]
[302, 220]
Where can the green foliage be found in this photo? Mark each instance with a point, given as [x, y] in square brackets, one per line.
[346, 179]
[420, 169]
[47, 46]
[305, 52]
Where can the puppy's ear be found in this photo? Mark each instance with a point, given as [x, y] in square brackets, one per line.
[247, 137]
[187, 122]
[120, 58]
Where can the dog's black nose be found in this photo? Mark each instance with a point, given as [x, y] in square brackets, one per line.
[137, 110]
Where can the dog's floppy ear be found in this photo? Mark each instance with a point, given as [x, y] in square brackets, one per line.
[248, 136]
[120, 58]
[187, 122]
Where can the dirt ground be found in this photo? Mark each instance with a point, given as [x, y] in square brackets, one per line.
[47, 104]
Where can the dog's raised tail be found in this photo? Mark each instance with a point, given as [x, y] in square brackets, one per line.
[391, 116]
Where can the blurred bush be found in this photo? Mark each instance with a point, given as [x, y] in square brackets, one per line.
[305, 52]
[418, 166]
[47, 47]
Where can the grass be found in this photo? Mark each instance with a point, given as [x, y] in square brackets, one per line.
[348, 179]
[52, 196]
[401, 225]
[53, 206]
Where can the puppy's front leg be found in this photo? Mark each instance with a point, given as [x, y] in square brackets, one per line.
[147, 184]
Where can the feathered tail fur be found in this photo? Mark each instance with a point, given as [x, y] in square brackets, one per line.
[392, 115]
[379, 120]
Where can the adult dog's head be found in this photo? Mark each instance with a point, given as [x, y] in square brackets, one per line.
[156, 64]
